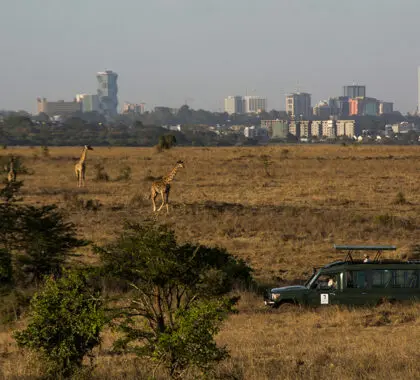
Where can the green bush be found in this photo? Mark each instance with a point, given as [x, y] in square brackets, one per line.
[65, 321]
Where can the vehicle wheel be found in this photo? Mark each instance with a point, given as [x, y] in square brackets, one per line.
[288, 306]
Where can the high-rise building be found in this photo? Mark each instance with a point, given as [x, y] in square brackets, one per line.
[298, 105]
[354, 91]
[339, 106]
[362, 106]
[107, 92]
[254, 104]
[89, 103]
[418, 94]
[386, 107]
[234, 104]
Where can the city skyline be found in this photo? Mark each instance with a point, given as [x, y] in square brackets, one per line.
[166, 51]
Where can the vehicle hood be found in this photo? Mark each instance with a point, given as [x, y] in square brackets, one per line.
[288, 289]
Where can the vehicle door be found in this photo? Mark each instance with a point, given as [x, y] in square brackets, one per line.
[325, 290]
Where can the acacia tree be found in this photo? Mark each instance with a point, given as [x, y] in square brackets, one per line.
[179, 299]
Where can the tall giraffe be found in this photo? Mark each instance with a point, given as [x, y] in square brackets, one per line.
[80, 167]
[11, 176]
[163, 187]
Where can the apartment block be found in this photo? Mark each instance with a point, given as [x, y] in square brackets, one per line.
[277, 129]
[294, 128]
[305, 128]
[316, 128]
[346, 128]
[329, 128]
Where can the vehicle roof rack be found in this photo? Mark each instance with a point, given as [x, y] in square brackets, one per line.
[377, 248]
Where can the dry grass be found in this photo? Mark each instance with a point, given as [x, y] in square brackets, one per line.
[283, 224]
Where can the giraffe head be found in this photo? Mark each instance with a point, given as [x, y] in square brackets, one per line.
[180, 164]
[88, 147]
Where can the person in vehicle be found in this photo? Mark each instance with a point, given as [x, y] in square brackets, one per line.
[332, 283]
[366, 258]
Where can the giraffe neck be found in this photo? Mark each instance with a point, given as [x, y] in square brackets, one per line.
[83, 156]
[171, 175]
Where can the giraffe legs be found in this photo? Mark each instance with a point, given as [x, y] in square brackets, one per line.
[78, 178]
[167, 200]
[153, 197]
[163, 201]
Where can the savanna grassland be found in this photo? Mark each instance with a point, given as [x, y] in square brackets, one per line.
[281, 208]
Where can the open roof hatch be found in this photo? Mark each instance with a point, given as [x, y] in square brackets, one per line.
[377, 248]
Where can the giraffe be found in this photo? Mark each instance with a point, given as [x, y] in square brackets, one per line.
[11, 175]
[80, 167]
[163, 187]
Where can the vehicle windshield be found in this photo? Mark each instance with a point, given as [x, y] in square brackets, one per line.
[312, 279]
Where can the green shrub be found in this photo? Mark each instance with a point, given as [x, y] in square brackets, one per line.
[65, 321]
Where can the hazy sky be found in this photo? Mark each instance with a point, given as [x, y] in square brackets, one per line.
[166, 51]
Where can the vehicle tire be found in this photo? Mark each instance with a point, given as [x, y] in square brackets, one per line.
[288, 306]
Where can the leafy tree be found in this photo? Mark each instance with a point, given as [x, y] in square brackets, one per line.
[166, 141]
[65, 321]
[44, 242]
[176, 286]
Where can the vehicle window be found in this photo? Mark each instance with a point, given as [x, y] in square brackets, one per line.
[357, 279]
[405, 279]
[326, 282]
[383, 278]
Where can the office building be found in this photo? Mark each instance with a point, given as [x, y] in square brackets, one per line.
[234, 104]
[322, 110]
[386, 107]
[107, 92]
[58, 108]
[339, 106]
[363, 106]
[89, 103]
[354, 91]
[133, 108]
[298, 105]
[254, 104]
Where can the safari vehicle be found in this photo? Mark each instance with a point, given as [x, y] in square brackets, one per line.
[354, 281]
